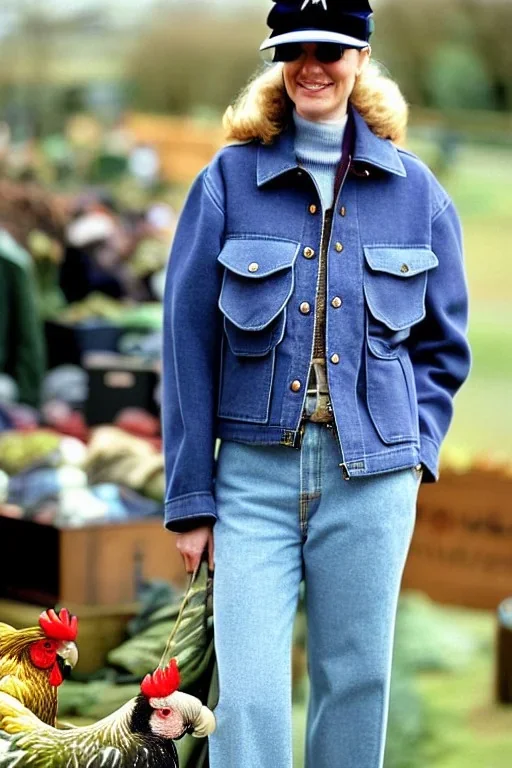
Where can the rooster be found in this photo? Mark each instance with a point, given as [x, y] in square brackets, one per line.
[34, 661]
[140, 734]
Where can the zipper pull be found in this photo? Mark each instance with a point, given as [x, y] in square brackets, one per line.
[344, 469]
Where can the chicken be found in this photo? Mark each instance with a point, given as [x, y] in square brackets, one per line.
[34, 661]
[138, 735]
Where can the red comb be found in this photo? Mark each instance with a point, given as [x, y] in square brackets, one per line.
[162, 682]
[60, 626]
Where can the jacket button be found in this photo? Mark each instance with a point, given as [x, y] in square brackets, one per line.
[254, 267]
[343, 211]
[338, 247]
[419, 467]
[308, 253]
[305, 308]
[337, 302]
[296, 386]
[313, 209]
[404, 268]
[335, 359]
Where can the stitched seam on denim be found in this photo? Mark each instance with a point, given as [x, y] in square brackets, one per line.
[442, 208]
[211, 194]
[429, 439]
[192, 517]
[168, 502]
[365, 320]
[384, 454]
[400, 246]
[302, 492]
[255, 236]
[303, 513]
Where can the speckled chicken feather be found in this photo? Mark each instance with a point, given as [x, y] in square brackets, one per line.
[25, 742]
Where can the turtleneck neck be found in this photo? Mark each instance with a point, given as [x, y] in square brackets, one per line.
[318, 148]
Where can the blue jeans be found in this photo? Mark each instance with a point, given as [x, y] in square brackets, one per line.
[284, 516]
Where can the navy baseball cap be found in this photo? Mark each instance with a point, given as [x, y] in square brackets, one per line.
[348, 22]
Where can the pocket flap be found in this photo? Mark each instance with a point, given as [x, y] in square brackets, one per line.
[401, 262]
[258, 257]
[258, 280]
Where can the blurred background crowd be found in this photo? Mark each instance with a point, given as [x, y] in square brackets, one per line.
[108, 109]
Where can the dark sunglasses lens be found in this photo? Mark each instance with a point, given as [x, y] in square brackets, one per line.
[288, 52]
[328, 53]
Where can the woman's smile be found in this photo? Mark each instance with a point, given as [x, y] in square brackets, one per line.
[311, 87]
[321, 91]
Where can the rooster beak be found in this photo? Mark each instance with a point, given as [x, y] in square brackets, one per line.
[68, 654]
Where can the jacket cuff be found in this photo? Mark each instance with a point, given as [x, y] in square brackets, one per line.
[190, 511]
[429, 457]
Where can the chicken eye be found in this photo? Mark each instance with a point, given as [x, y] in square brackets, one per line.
[48, 645]
[164, 712]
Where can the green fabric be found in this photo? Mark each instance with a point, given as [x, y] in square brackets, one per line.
[22, 347]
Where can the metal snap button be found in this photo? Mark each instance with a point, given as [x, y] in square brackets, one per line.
[296, 386]
[305, 308]
[254, 267]
[335, 359]
[337, 302]
[308, 253]
[338, 247]
[405, 268]
[313, 209]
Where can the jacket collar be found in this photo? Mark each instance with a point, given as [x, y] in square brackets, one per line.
[279, 157]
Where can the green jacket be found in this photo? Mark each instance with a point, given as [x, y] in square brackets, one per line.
[22, 346]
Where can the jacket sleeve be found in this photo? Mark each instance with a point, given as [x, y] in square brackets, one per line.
[439, 347]
[191, 353]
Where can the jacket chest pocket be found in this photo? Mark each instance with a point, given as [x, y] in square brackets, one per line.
[395, 284]
[258, 283]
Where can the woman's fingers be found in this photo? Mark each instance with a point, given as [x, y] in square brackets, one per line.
[191, 546]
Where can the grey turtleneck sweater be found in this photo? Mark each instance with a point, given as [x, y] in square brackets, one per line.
[318, 148]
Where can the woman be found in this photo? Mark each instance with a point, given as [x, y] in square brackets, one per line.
[315, 322]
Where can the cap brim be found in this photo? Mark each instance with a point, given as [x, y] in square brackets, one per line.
[313, 36]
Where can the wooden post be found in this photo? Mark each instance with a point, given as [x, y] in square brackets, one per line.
[504, 653]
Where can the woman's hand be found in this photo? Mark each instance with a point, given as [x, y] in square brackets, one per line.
[192, 544]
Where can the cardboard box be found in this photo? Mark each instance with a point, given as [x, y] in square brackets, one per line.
[461, 552]
[102, 565]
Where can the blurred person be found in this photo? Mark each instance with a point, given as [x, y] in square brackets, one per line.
[31, 232]
[97, 256]
[315, 320]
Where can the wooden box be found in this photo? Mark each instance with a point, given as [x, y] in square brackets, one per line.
[101, 565]
[461, 552]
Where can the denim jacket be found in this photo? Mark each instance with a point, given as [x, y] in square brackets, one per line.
[237, 347]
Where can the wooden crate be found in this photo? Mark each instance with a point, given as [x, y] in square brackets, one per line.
[101, 565]
[461, 552]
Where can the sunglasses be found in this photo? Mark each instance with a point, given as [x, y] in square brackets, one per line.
[326, 53]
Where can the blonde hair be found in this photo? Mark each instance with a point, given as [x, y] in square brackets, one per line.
[263, 108]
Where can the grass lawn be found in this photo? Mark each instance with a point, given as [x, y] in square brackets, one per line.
[466, 728]
[476, 733]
